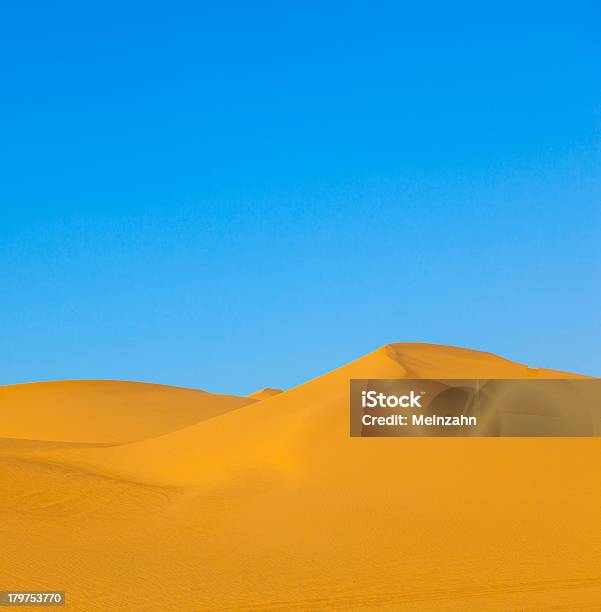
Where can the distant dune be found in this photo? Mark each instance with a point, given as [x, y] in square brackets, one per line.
[264, 393]
[238, 504]
[104, 410]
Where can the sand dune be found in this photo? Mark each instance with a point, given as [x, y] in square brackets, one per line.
[264, 393]
[109, 411]
[281, 433]
[273, 506]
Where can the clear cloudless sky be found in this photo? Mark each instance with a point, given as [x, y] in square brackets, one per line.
[235, 195]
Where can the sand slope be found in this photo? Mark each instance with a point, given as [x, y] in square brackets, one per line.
[273, 506]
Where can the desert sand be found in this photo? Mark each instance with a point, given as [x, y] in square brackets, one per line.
[156, 498]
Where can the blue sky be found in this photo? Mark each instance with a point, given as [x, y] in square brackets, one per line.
[237, 195]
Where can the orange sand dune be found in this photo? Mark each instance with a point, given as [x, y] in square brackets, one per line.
[107, 411]
[273, 506]
[282, 432]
